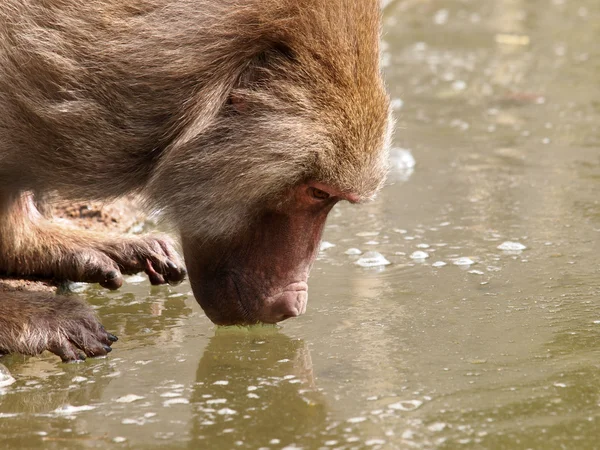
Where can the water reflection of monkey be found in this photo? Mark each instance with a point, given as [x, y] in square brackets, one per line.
[254, 386]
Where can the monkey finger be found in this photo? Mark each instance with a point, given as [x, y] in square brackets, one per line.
[155, 277]
[103, 270]
[175, 274]
[105, 337]
[165, 259]
[66, 351]
[112, 280]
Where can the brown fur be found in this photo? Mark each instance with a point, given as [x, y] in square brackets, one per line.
[31, 323]
[216, 111]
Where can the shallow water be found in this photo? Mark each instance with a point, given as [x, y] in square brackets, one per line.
[498, 102]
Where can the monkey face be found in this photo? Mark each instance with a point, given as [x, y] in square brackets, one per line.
[262, 275]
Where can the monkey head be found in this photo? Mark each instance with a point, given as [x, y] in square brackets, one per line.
[293, 120]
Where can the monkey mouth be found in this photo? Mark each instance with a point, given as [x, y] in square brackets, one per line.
[290, 302]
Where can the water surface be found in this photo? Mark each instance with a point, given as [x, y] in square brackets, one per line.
[498, 103]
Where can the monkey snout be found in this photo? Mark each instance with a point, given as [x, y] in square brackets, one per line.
[289, 303]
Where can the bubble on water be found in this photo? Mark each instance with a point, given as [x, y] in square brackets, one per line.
[459, 85]
[402, 164]
[129, 398]
[326, 246]
[367, 233]
[439, 264]
[353, 251]
[216, 401]
[371, 442]
[176, 401]
[419, 255]
[463, 261]
[408, 435]
[226, 412]
[441, 17]
[372, 243]
[406, 405]
[509, 246]
[476, 272]
[423, 245]
[400, 230]
[372, 259]
[252, 388]
[396, 104]
[6, 379]
[119, 439]
[252, 395]
[221, 382]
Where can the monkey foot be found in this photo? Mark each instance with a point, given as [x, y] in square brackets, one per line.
[66, 326]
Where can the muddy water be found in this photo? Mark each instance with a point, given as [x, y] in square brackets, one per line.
[498, 103]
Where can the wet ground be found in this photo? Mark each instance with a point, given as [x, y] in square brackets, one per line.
[498, 105]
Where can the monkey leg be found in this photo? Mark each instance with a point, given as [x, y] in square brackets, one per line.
[31, 323]
[33, 246]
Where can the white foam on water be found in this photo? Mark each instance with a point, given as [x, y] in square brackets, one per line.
[356, 419]
[406, 405]
[6, 379]
[353, 251]
[134, 279]
[176, 401]
[70, 409]
[510, 246]
[463, 261]
[129, 398]
[326, 246]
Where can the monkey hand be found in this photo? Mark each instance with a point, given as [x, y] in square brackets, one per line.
[152, 254]
[43, 249]
[31, 323]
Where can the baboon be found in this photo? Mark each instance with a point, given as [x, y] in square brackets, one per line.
[243, 121]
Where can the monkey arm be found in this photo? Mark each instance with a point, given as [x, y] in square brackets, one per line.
[31, 323]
